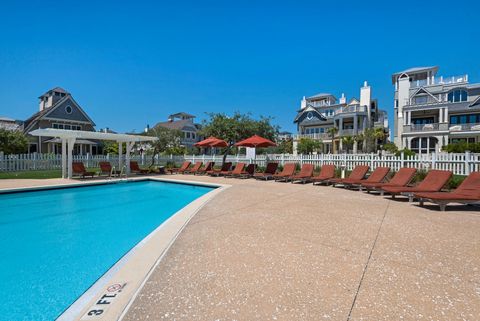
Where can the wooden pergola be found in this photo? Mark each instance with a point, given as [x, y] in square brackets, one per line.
[69, 137]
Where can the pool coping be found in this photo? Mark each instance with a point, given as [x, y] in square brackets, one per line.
[113, 293]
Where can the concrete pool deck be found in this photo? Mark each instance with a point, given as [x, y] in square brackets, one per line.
[275, 251]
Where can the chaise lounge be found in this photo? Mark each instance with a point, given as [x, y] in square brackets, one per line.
[270, 170]
[433, 182]
[327, 172]
[377, 176]
[286, 173]
[248, 172]
[78, 169]
[357, 174]
[106, 169]
[222, 171]
[467, 192]
[194, 168]
[208, 167]
[134, 168]
[236, 171]
[181, 170]
[400, 179]
[305, 174]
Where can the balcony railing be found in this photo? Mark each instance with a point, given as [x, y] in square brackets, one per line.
[424, 127]
[346, 132]
[439, 81]
[464, 127]
[319, 136]
[351, 109]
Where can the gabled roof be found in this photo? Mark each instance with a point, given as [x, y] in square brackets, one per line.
[306, 110]
[56, 89]
[39, 115]
[354, 101]
[421, 89]
[414, 70]
[182, 114]
[476, 102]
[321, 95]
[177, 124]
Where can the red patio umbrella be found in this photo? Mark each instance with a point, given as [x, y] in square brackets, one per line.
[206, 142]
[256, 141]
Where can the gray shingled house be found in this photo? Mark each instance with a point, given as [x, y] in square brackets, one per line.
[58, 109]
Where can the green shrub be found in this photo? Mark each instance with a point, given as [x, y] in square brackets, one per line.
[406, 153]
[454, 181]
[462, 147]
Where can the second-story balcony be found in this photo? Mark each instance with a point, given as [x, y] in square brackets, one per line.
[423, 127]
[351, 109]
[464, 127]
[317, 136]
[439, 81]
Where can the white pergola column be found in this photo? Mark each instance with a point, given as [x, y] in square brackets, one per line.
[127, 155]
[71, 143]
[440, 115]
[64, 158]
[120, 147]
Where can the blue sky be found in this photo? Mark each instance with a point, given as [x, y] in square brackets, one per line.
[132, 63]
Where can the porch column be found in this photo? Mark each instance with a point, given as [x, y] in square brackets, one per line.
[64, 158]
[445, 117]
[440, 115]
[71, 143]
[127, 155]
[120, 147]
[405, 118]
[409, 118]
[91, 147]
[355, 124]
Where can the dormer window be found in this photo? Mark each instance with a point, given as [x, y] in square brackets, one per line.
[457, 96]
[309, 115]
[68, 109]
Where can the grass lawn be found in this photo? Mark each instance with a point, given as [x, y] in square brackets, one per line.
[36, 174]
[31, 174]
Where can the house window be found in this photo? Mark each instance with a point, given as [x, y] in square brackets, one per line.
[68, 127]
[68, 109]
[457, 96]
[55, 126]
[421, 99]
[465, 119]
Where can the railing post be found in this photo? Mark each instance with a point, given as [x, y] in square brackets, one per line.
[433, 160]
[283, 159]
[371, 161]
[467, 162]
[402, 155]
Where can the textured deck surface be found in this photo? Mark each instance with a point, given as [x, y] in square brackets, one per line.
[276, 251]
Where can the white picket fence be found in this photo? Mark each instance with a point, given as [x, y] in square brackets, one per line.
[32, 162]
[460, 164]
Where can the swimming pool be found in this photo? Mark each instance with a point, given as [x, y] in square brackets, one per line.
[54, 244]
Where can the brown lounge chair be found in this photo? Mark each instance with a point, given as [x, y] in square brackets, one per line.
[248, 172]
[181, 169]
[134, 168]
[357, 174]
[288, 171]
[327, 172]
[194, 168]
[305, 174]
[222, 171]
[433, 182]
[106, 169]
[270, 170]
[78, 169]
[238, 170]
[208, 167]
[377, 176]
[466, 193]
[400, 179]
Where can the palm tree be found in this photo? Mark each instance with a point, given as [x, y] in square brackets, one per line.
[347, 141]
[332, 131]
[378, 134]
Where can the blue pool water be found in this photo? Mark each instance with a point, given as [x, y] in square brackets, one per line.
[55, 244]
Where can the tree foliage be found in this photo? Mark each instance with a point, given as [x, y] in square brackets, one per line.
[235, 128]
[13, 142]
[285, 146]
[462, 147]
[308, 145]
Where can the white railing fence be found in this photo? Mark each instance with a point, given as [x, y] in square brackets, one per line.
[32, 162]
[459, 164]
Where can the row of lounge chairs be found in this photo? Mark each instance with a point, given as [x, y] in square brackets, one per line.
[429, 189]
[106, 169]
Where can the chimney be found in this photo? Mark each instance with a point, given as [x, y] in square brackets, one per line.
[366, 99]
[303, 103]
[343, 99]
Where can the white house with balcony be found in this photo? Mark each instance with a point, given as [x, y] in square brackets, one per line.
[432, 111]
[319, 113]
